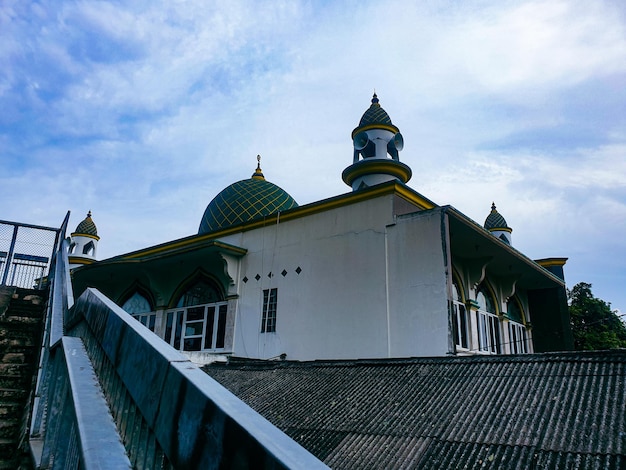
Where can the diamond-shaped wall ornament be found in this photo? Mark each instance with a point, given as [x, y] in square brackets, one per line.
[245, 279]
[284, 273]
[257, 277]
[270, 274]
[298, 269]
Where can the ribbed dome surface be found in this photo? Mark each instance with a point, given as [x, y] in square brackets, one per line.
[375, 115]
[495, 219]
[87, 227]
[244, 201]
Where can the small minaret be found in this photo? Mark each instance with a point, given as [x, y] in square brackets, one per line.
[83, 243]
[376, 145]
[496, 224]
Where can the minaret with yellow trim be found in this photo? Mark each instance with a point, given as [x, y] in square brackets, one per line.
[83, 243]
[376, 145]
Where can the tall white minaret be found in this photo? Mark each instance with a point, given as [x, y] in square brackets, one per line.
[83, 243]
[376, 145]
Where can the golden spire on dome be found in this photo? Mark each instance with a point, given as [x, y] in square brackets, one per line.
[258, 174]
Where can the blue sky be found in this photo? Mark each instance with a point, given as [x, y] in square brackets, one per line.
[142, 111]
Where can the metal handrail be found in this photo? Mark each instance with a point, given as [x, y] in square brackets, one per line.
[26, 268]
[71, 426]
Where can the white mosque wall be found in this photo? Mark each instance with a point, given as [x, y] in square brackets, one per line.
[418, 306]
[367, 288]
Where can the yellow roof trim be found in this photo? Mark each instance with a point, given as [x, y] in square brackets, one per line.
[185, 244]
[80, 260]
[373, 166]
[551, 262]
[368, 127]
[95, 237]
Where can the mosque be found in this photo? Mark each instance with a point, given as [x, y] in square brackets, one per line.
[378, 272]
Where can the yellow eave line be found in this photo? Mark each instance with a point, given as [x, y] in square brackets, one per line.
[183, 245]
[551, 262]
[79, 260]
[95, 237]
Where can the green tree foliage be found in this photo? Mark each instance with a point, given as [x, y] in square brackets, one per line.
[594, 324]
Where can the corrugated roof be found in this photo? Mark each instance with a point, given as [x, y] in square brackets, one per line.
[558, 410]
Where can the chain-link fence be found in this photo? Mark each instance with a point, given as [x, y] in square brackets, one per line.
[25, 254]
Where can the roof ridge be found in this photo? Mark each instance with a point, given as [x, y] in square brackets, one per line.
[564, 356]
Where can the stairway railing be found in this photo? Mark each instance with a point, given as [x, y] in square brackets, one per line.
[111, 394]
[25, 252]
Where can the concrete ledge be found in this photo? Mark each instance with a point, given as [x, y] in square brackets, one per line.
[99, 440]
[197, 422]
[139, 357]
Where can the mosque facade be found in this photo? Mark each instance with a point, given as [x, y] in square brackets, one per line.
[378, 272]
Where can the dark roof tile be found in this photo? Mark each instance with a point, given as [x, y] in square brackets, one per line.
[559, 410]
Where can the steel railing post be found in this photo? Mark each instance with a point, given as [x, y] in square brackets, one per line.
[10, 256]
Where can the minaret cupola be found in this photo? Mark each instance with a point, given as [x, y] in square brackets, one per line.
[496, 224]
[377, 143]
[83, 243]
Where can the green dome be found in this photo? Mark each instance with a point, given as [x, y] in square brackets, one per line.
[494, 220]
[375, 118]
[244, 201]
[86, 227]
[375, 115]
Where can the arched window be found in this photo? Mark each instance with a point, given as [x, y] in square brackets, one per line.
[518, 336]
[199, 293]
[89, 249]
[137, 303]
[139, 307]
[198, 323]
[487, 321]
[460, 319]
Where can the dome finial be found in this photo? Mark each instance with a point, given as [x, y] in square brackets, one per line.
[258, 174]
[375, 98]
[89, 214]
[493, 206]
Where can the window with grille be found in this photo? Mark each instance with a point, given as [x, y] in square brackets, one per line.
[197, 328]
[268, 321]
[518, 334]
[518, 338]
[488, 323]
[460, 319]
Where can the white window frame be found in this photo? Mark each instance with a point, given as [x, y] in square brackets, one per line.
[181, 330]
[147, 319]
[270, 307]
[489, 334]
[488, 324]
[461, 318]
[518, 338]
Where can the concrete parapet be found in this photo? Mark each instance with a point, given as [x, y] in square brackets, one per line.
[196, 422]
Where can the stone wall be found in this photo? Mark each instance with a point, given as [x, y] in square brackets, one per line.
[21, 313]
